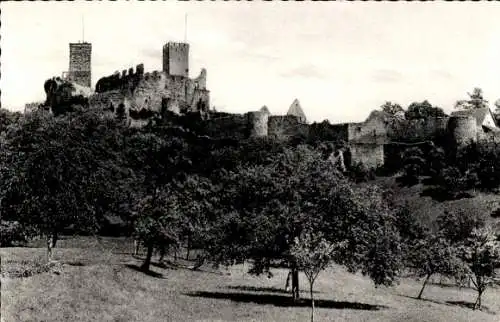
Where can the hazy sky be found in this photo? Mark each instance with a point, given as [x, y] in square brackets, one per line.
[340, 59]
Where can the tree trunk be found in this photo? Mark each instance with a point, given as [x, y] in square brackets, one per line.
[287, 284]
[55, 238]
[199, 262]
[312, 301]
[162, 253]
[423, 286]
[295, 284]
[136, 247]
[49, 249]
[188, 246]
[147, 261]
[51, 243]
[477, 305]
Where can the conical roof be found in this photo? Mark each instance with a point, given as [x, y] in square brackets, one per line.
[264, 109]
[296, 110]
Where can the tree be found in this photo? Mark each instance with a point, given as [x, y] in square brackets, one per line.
[160, 159]
[267, 206]
[159, 222]
[313, 254]
[413, 165]
[458, 225]
[61, 173]
[422, 110]
[497, 107]
[476, 100]
[391, 108]
[436, 255]
[482, 254]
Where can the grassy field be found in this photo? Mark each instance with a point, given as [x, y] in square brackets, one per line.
[428, 209]
[99, 281]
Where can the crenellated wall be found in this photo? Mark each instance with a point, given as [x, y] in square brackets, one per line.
[154, 91]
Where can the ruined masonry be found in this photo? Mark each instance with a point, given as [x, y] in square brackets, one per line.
[80, 64]
[139, 95]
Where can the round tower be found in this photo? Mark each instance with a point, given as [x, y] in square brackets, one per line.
[257, 123]
[463, 130]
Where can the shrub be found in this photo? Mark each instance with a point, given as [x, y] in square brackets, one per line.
[358, 172]
[12, 234]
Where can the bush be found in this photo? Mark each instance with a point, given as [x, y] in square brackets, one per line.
[358, 172]
[12, 234]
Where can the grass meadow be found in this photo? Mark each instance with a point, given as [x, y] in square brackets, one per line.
[99, 280]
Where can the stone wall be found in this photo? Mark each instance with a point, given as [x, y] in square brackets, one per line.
[80, 63]
[325, 131]
[370, 155]
[156, 91]
[31, 107]
[286, 126]
[417, 130]
[126, 81]
[258, 123]
[463, 130]
[225, 125]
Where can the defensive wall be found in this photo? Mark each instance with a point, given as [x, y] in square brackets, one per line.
[155, 91]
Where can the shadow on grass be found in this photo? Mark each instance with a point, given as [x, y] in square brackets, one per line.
[261, 289]
[150, 273]
[470, 305]
[165, 265]
[422, 299]
[285, 301]
[75, 263]
[464, 304]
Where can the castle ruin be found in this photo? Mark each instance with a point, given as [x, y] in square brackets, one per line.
[139, 95]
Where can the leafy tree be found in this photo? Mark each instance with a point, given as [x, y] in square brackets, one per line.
[457, 226]
[413, 165]
[497, 106]
[476, 100]
[436, 255]
[313, 254]
[159, 161]
[12, 233]
[267, 206]
[422, 110]
[159, 223]
[482, 254]
[391, 108]
[61, 173]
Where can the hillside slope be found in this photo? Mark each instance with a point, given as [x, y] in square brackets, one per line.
[428, 209]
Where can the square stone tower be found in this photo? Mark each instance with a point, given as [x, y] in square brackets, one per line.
[176, 59]
[80, 63]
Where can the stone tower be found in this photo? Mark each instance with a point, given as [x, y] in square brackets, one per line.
[463, 130]
[176, 59]
[80, 63]
[257, 123]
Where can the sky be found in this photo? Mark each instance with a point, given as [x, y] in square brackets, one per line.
[340, 59]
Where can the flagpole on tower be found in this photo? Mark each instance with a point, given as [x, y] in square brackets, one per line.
[185, 27]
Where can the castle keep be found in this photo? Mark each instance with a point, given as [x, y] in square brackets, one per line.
[176, 59]
[80, 63]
